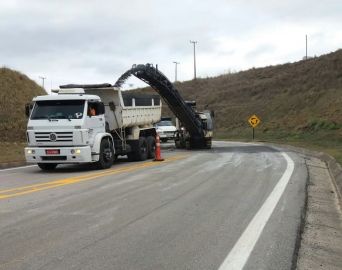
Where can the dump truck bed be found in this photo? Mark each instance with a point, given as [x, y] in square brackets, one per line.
[126, 109]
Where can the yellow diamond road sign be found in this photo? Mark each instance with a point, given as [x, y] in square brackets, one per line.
[254, 121]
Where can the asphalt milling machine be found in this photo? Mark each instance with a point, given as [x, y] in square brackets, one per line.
[196, 128]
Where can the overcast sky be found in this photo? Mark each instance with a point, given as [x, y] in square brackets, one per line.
[80, 41]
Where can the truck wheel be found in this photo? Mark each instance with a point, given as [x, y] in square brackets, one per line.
[151, 144]
[106, 158]
[47, 166]
[187, 145]
[140, 153]
[163, 140]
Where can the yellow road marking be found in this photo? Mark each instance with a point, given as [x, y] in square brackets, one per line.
[14, 192]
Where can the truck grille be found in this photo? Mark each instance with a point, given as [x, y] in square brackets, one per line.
[53, 136]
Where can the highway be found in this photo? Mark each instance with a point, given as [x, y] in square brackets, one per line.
[236, 206]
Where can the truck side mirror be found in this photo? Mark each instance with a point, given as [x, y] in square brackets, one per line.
[28, 108]
[212, 113]
[112, 106]
[100, 108]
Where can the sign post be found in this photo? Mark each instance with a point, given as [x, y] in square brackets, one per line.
[254, 121]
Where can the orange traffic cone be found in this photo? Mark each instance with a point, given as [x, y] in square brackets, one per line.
[158, 154]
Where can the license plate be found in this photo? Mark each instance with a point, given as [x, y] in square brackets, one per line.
[52, 151]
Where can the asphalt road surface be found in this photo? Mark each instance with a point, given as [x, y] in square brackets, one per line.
[236, 206]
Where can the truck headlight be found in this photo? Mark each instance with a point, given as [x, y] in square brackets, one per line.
[30, 151]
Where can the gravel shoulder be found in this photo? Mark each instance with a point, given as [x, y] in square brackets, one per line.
[321, 240]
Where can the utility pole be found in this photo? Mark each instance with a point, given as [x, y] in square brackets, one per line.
[194, 43]
[43, 79]
[176, 63]
[306, 47]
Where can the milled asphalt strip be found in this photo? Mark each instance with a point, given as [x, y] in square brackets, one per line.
[241, 251]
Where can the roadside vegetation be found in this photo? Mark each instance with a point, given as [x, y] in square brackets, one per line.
[16, 89]
[298, 103]
[12, 151]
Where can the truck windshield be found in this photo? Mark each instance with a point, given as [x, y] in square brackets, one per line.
[164, 124]
[58, 109]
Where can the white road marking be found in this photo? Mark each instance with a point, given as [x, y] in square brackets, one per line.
[242, 249]
[17, 168]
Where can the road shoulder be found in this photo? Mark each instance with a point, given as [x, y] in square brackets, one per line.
[321, 240]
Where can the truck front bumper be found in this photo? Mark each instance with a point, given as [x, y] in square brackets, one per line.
[80, 154]
[169, 136]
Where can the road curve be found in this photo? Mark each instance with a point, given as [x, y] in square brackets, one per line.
[236, 206]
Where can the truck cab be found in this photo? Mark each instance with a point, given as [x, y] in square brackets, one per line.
[61, 129]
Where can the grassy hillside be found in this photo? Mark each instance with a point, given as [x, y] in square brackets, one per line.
[16, 90]
[303, 96]
[298, 103]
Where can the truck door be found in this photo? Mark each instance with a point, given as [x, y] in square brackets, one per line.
[95, 118]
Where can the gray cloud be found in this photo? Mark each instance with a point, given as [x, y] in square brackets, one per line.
[95, 41]
[260, 50]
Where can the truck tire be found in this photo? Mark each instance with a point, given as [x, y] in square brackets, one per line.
[164, 140]
[140, 153]
[151, 144]
[47, 166]
[106, 158]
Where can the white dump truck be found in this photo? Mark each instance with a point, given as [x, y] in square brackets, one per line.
[91, 124]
